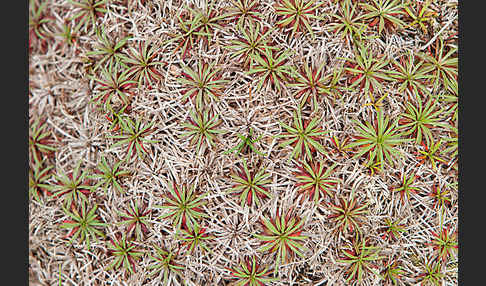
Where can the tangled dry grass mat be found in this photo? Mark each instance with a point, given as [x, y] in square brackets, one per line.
[243, 142]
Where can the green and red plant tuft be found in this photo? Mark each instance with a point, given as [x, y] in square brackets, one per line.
[73, 186]
[374, 167]
[250, 185]
[296, 14]
[40, 140]
[38, 32]
[441, 197]
[410, 74]
[136, 220]
[194, 238]
[209, 20]
[108, 176]
[250, 273]
[348, 23]
[310, 83]
[124, 253]
[304, 136]
[419, 14]
[392, 229]
[367, 70]
[378, 141]
[244, 11]
[108, 52]
[87, 11]
[116, 116]
[201, 127]
[187, 35]
[164, 261]
[83, 224]
[349, 214]
[419, 121]
[142, 65]
[361, 257]
[340, 146]
[313, 178]
[430, 153]
[246, 144]
[444, 243]
[253, 41]
[69, 37]
[203, 84]
[406, 187]
[134, 133]
[272, 67]
[442, 66]
[384, 13]
[333, 87]
[392, 272]
[39, 174]
[183, 205]
[432, 275]
[282, 235]
[195, 25]
[113, 83]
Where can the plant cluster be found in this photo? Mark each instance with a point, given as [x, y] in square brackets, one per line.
[348, 214]
[403, 105]
[184, 206]
[282, 235]
[360, 257]
[250, 273]
[250, 185]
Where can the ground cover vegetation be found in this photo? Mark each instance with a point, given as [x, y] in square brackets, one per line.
[243, 142]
